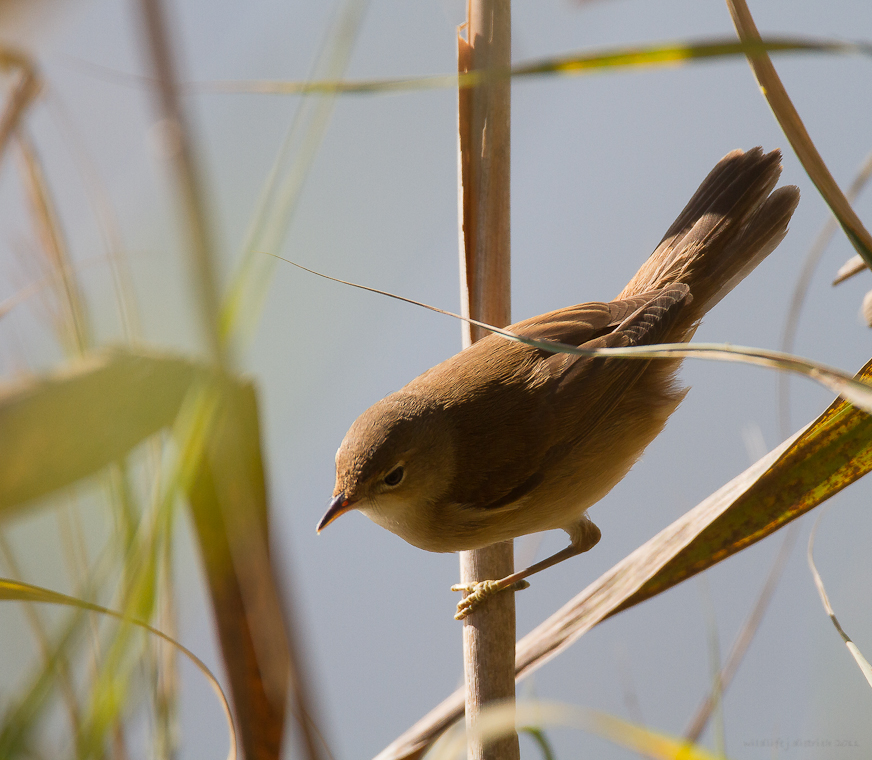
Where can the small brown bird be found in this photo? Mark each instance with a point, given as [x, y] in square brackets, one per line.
[504, 439]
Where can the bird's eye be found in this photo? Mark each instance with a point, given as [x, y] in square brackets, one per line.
[395, 476]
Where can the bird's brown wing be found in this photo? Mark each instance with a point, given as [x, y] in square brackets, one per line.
[564, 396]
[584, 322]
[584, 390]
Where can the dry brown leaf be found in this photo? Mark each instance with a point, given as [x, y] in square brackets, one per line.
[228, 503]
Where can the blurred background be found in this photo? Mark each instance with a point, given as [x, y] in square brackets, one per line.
[601, 165]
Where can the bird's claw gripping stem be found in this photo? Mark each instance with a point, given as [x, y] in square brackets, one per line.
[478, 591]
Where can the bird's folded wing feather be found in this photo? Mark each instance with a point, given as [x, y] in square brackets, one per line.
[573, 392]
[586, 389]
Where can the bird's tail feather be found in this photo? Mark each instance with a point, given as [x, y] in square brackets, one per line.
[730, 225]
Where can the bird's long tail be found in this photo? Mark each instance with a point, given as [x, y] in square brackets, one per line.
[732, 222]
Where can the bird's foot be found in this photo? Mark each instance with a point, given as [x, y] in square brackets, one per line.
[478, 591]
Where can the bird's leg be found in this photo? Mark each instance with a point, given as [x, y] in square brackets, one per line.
[583, 536]
[478, 591]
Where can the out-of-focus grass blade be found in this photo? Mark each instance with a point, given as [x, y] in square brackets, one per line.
[831, 453]
[229, 506]
[272, 217]
[22, 714]
[856, 263]
[23, 91]
[25, 592]
[68, 425]
[795, 131]
[541, 741]
[228, 498]
[743, 640]
[72, 326]
[110, 694]
[861, 661]
[497, 720]
[646, 56]
[64, 427]
[184, 165]
[819, 461]
[803, 282]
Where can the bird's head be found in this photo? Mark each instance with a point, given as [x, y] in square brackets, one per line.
[395, 463]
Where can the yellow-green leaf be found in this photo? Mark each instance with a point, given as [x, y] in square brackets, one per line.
[597, 61]
[70, 424]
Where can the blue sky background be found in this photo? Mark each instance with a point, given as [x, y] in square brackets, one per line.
[601, 166]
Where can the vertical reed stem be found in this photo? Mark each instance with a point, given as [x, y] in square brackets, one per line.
[484, 127]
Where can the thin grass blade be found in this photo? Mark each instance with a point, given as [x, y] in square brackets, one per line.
[25, 592]
[576, 64]
[861, 661]
[794, 129]
[272, 218]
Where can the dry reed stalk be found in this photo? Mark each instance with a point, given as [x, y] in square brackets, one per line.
[790, 122]
[188, 178]
[483, 123]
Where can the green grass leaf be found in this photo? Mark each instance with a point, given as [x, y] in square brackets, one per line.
[576, 64]
[61, 428]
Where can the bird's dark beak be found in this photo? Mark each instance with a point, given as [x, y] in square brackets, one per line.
[338, 507]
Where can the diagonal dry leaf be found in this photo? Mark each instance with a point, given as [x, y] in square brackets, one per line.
[64, 427]
[829, 454]
[794, 129]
